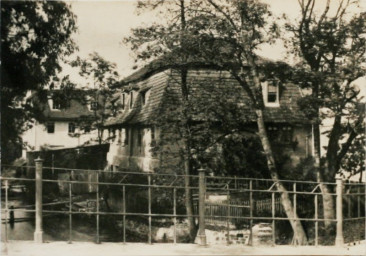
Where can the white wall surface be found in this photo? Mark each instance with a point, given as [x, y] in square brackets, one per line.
[38, 136]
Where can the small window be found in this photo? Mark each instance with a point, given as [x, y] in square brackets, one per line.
[143, 98]
[278, 134]
[139, 137]
[50, 127]
[111, 133]
[87, 129]
[71, 128]
[272, 93]
[94, 105]
[152, 133]
[286, 135]
[131, 99]
[123, 100]
[56, 103]
[126, 136]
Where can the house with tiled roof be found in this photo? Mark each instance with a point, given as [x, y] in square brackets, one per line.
[63, 122]
[154, 91]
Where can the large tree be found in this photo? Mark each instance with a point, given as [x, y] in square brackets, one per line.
[233, 33]
[227, 35]
[101, 76]
[35, 37]
[331, 46]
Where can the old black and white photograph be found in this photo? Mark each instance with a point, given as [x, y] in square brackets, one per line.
[183, 127]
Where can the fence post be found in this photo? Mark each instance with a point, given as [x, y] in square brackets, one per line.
[273, 219]
[97, 213]
[175, 214]
[339, 211]
[6, 210]
[124, 213]
[149, 206]
[251, 211]
[228, 215]
[201, 222]
[295, 211]
[316, 219]
[38, 233]
[70, 212]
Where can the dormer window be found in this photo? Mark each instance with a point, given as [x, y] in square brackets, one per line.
[59, 103]
[271, 93]
[56, 103]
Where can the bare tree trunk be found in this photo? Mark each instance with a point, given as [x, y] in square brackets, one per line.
[189, 202]
[360, 179]
[187, 155]
[327, 198]
[299, 233]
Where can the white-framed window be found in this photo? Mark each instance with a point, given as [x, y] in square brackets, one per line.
[58, 103]
[271, 93]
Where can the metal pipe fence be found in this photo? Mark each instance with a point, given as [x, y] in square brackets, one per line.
[234, 203]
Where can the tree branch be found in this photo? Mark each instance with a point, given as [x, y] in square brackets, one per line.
[224, 13]
[324, 14]
[349, 141]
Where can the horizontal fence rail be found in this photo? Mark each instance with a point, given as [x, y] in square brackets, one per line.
[233, 206]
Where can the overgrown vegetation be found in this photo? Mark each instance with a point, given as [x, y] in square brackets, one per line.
[35, 39]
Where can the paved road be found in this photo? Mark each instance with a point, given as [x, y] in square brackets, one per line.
[28, 248]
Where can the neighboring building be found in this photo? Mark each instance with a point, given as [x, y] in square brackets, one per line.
[151, 92]
[64, 124]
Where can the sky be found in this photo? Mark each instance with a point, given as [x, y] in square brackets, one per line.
[103, 24]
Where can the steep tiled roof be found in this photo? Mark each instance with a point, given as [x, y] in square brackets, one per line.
[137, 114]
[165, 93]
[166, 62]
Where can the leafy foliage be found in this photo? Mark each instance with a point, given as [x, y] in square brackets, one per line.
[35, 38]
[332, 49]
[103, 76]
[221, 140]
[354, 160]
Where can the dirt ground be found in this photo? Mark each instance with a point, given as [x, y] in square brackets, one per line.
[29, 248]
